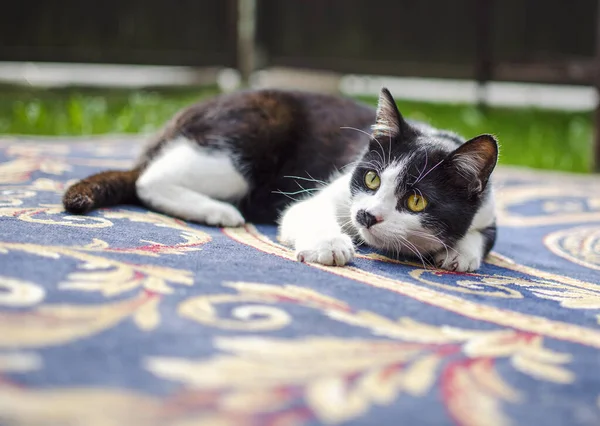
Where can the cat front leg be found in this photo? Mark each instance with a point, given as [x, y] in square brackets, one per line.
[312, 227]
[468, 253]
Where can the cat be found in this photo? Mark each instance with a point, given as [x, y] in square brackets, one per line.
[363, 176]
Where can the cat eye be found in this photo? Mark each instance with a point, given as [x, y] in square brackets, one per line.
[372, 180]
[416, 203]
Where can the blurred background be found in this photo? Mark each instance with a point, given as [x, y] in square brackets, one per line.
[525, 70]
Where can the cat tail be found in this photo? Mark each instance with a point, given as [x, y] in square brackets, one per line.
[102, 190]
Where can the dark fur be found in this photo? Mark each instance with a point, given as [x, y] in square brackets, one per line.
[453, 200]
[271, 134]
[102, 190]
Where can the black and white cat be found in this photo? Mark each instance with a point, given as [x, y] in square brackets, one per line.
[366, 176]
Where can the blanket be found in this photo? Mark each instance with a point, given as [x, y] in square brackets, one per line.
[129, 317]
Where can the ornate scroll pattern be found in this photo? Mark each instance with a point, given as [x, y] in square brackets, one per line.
[318, 345]
[336, 379]
[546, 200]
[544, 285]
[579, 245]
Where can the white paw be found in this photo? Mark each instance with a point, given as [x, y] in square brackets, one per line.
[223, 215]
[336, 251]
[459, 262]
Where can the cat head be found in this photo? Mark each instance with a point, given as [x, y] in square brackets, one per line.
[417, 188]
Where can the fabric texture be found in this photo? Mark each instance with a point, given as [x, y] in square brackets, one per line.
[129, 317]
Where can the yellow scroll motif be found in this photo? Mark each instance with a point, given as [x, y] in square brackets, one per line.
[192, 236]
[569, 292]
[19, 293]
[106, 275]
[54, 215]
[579, 245]
[531, 323]
[247, 317]
[581, 295]
[19, 362]
[405, 357]
[71, 406]
[20, 169]
[57, 324]
[555, 210]
[12, 197]
[336, 378]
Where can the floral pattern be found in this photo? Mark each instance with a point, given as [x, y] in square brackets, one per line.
[130, 317]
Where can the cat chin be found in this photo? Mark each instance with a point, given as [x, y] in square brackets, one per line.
[373, 240]
[385, 243]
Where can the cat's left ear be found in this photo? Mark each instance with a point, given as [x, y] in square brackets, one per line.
[475, 161]
[389, 122]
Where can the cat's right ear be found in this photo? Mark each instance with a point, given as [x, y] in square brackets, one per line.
[389, 122]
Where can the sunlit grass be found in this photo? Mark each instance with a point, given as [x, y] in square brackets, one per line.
[528, 137]
[91, 111]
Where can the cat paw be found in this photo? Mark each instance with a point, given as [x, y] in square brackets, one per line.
[467, 262]
[336, 251]
[223, 215]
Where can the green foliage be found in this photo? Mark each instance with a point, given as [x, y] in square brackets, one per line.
[528, 137]
[90, 111]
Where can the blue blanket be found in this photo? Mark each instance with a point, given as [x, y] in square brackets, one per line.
[128, 317]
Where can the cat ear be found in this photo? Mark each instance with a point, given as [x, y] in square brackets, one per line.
[475, 160]
[389, 121]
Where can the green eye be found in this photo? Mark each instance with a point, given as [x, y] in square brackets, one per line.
[416, 203]
[372, 180]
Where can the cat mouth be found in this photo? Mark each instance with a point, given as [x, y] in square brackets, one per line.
[371, 238]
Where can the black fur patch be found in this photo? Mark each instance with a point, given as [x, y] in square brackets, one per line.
[274, 134]
[286, 143]
[452, 204]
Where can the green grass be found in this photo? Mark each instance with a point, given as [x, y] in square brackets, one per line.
[90, 111]
[528, 137]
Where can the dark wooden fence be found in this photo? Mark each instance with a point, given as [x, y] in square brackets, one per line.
[160, 32]
[516, 40]
[555, 41]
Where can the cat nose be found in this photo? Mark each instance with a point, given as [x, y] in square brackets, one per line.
[366, 219]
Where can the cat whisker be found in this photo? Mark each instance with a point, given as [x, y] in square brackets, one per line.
[390, 150]
[420, 193]
[370, 136]
[311, 179]
[429, 171]
[346, 222]
[382, 154]
[397, 251]
[316, 180]
[424, 168]
[289, 194]
[413, 249]
[352, 163]
[372, 163]
[435, 238]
